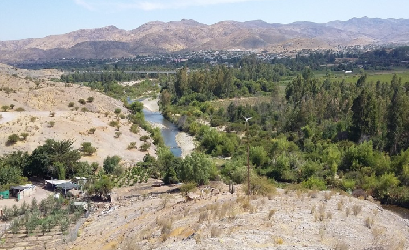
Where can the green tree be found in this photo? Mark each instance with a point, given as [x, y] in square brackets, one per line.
[101, 187]
[43, 158]
[181, 83]
[198, 168]
[111, 163]
[258, 156]
[365, 116]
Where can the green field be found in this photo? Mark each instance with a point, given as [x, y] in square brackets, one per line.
[373, 76]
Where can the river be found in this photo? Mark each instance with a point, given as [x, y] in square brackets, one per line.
[169, 131]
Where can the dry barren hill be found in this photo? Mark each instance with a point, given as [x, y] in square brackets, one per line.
[157, 37]
[219, 220]
[41, 109]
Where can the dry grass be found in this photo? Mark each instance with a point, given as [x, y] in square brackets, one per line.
[356, 209]
[340, 204]
[215, 232]
[369, 222]
[327, 196]
[271, 214]
[203, 216]
[313, 194]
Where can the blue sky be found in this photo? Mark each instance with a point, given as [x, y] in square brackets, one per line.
[38, 18]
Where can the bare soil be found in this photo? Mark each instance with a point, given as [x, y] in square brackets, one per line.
[143, 219]
[46, 115]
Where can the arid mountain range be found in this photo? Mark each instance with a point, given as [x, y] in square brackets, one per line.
[161, 37]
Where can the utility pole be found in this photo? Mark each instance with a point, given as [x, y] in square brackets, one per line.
[248, 156]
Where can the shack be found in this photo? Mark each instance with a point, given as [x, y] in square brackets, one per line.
[66, 186]
[22, 191]
[52, 184]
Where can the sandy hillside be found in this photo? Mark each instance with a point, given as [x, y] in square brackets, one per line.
[46, 114]
[287, 220]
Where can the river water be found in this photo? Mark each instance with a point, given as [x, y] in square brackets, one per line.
[169, 131]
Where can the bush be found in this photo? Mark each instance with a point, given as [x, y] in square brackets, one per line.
[84, 109]
[82, 101]
[87, 148]
[92, 131]
[113, 123]
[144, 147]
[20, 109]
[144, 138]
[132, 145]
[13, 139]
[314, 183]
[90, 99]
[51, 124]
[259, 186]
[134, 128]
[71, 104]
[5, 108]
[188, 187]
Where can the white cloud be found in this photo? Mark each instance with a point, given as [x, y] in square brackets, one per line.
[149, 5]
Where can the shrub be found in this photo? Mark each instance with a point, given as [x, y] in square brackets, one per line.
[90, 99]
[92, 131]
[87, 148]
[5, 108]
[12, 106]
[132, 145]
[314, 183]
[52, 114]
[13, 139]
[134, 128]
[20, 109]
[144, 147]
[260, 186]
[113, 123]
[51, 124]
[84, 109]
[187, 187]
[117, 134]
[71, 104]
[82, 101]
[144, 138]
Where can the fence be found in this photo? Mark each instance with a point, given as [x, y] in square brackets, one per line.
[73, 232]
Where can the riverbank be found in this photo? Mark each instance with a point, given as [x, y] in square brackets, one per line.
[186, 143]
[151, 104]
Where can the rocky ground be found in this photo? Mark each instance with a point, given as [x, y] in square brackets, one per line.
[220, 220]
